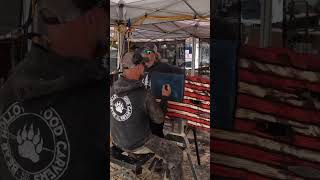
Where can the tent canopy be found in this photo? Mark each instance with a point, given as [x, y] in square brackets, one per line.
[158, 19]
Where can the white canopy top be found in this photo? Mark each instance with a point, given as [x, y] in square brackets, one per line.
[165, 19]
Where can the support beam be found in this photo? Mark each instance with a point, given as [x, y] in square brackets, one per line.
[156, 10]
[179, 29]
[189, 5]
[182, 29]
[163, 31]
[266, 23]
[193, 63]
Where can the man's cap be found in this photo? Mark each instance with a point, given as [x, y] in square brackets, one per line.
[150, 46]
[131, 59]
[62, 11]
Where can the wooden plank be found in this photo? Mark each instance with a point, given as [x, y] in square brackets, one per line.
[302, 128]
[267, 144]
[287, 72]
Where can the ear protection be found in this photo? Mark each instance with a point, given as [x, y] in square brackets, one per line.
[137, 57]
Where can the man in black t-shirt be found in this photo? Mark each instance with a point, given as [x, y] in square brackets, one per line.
[153, 64]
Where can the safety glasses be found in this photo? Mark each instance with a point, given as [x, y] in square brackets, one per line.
[148, 51]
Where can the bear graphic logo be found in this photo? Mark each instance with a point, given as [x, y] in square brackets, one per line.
[34, 145]
[30, 144]
[121, 108]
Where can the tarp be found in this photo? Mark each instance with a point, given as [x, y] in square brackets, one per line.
[165, 19]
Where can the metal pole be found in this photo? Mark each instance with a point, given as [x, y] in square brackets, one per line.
[196, 144]
[266, 23]
[199, 55]
[120, 34]
[120, 49]
[193, 63]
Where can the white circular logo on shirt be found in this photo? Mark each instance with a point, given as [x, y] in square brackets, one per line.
[121, 108]
[34, 145]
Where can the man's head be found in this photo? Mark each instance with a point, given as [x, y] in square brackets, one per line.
[75, 28]
[133, 67]
[150, 51]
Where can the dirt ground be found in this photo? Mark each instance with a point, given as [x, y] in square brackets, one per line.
[202, 170]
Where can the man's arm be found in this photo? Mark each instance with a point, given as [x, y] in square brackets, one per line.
[157, 111]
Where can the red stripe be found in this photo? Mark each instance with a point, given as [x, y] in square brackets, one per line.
[198, 97]
[199, 88]
[176, 115]
[189, 110]
[227, 172]
[272, 55]
[233, 173]
[280, 109]
[248, 126]
[198, 79]
[207, 129]
[258, 155]
[246, 152]
[277, 82]
[204, 106]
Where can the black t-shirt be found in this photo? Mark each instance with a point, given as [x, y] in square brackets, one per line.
[60, 135]
[164, 68]
[53, 120]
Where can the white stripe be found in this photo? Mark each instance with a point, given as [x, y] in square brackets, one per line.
[282, 71]
[267, 144]
[202, 93]
[199, 124]
[250, 166]
[289, 98]
[281, 96]
[188, 114]
[306, 129]
[189, 106]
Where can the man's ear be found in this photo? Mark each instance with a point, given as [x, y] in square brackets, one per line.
[140, 68]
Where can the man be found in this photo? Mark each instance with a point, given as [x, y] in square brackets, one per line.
[153, 64]
[132, 108]
[52, 107]
[150, 51]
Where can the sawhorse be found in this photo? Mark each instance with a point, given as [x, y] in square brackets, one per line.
[181, 136]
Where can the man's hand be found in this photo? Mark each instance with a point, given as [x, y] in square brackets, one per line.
[166, 90]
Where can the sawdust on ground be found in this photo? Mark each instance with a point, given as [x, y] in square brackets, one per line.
[202, 170]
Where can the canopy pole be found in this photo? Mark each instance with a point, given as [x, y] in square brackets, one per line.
[199, 55]
[193, 63]
[266, 23]
[121, 34]
[120, 49]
